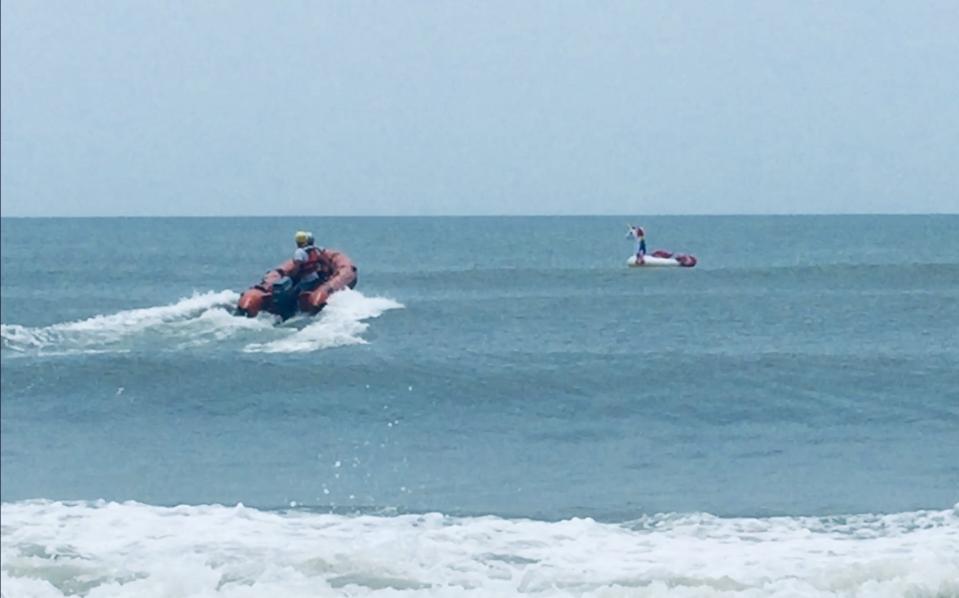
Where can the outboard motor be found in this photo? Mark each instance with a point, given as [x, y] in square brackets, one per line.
[284, 297]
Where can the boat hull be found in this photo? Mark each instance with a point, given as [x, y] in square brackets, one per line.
[662, 259]
[275, 293]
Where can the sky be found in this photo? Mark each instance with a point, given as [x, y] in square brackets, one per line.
[241, 107]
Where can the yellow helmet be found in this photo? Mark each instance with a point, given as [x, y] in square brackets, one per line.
[301, 237]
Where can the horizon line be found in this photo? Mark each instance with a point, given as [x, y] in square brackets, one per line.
[626, 215]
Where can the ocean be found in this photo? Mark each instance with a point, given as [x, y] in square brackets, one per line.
[500, 408]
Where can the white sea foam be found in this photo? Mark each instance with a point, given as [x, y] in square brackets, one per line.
[105, 332]
[202, 319]
[340, 323]
[124, 550]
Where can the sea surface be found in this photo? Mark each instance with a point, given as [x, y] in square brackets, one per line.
[501, 408]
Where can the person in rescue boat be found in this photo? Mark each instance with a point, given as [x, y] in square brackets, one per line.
[637, 233]
[307, 262]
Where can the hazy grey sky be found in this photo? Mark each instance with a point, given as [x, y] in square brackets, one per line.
[526, 107]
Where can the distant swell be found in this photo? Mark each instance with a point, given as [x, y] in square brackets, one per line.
[54, 549]
[197, 321]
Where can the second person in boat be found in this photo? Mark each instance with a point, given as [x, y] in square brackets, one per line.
[308, 263]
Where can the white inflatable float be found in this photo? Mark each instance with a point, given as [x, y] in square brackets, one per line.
[660, 259]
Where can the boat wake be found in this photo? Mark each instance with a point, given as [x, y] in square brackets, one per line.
[340, 323]
[203, 319]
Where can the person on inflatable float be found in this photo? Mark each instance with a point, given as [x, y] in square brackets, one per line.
[307, 262]
[637, 232]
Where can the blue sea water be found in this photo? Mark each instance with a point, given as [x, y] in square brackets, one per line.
[502, 407]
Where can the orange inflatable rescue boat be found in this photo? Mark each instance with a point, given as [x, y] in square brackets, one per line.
[278, 293]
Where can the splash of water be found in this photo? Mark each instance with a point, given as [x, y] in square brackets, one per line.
[199, 320]
[340, 323]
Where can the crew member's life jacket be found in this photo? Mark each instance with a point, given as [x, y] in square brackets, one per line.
[312, 264]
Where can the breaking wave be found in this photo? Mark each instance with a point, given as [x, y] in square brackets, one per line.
[55, 549]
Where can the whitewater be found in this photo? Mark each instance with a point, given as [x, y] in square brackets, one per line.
[55, 549]
[199, 320]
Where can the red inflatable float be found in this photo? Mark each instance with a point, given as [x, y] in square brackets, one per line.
[278, 293]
